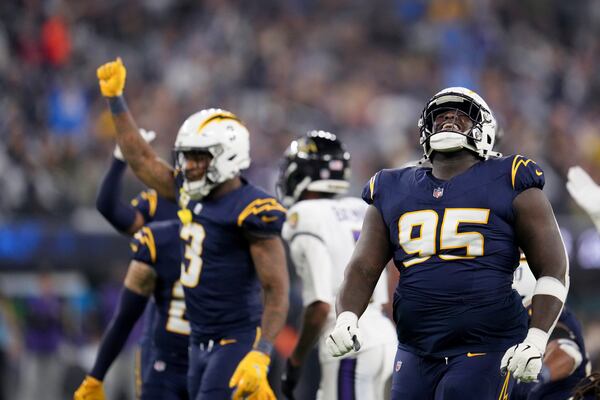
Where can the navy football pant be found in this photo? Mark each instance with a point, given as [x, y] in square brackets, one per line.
[165, 380]
[212, 363]
[472, 376]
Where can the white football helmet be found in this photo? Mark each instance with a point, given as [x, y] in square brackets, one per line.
[223, 135]
[479, 138]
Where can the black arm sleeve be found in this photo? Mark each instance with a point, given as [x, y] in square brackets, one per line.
[130, 308]
[117, 213]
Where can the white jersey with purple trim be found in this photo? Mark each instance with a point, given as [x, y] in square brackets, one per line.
[322, 235]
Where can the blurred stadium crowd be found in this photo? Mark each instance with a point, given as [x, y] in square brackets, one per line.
[361, 69]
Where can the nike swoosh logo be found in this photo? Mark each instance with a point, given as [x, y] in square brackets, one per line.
[475, 354]
[268, 219]
[538, 172]
[224, 342]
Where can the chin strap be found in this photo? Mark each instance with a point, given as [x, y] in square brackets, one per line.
[494, 154]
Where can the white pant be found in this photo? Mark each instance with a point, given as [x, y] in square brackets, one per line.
[364, 377]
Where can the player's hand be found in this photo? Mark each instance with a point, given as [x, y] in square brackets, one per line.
[264, 392]
[148, 136]
[250, 374]
[345, 336]
[524, 361]
[111, 77]
[290, 379]
[90, 389]
[585, 192]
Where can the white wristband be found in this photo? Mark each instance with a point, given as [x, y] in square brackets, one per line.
[538, 338]
[551, 286]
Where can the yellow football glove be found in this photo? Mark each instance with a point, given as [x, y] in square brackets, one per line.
[250, 374]
[264, 392]
[111, 77]
[90, 389]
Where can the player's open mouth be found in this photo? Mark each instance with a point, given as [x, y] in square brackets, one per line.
[450, 126]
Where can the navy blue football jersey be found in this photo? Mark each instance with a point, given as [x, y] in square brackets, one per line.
[158, 245]
[222, 290]
[455, 247]
[154, 207]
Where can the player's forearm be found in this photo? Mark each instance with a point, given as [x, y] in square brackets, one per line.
[357, 289]
[544, 312]
[275, 312]
[140, 156]
[313, 322]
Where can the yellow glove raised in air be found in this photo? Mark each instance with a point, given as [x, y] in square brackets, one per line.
[111, 77]
[264, 392]
[90, 389]
[250, 375]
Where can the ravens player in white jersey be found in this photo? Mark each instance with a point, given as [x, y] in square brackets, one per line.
[454, 231]
[321, 231]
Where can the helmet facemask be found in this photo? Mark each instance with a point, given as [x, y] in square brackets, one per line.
[196, 189]
[456, 119]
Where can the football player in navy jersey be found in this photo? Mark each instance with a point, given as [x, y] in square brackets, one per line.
[565, 362]
[231, 244]
[146, 207]
[454, 231]
[153, 271]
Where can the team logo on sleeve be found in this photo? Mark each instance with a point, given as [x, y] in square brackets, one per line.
[438, 192]
[293, 220]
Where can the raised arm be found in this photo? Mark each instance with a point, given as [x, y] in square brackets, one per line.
[142, 159]
[370, 256]
[122, 216]
[138, 287]
[539, 237]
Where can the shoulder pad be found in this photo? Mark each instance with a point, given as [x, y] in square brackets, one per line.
[262, 216]
[370, 189]
[145, 202]
[143, 245]
[303, 218]
[147, 242]
[525, 174]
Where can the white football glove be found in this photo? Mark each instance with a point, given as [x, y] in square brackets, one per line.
[524, 360]
[345, 336]
[585, 192]
[148, 137]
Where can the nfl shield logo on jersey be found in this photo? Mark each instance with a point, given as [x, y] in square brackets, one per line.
[438, 192]
[398, 365]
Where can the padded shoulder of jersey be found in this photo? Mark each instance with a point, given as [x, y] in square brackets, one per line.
[146, 202]
[522, 172]
[148, 242]
[259, 212]
[376, 187]
[304, 216]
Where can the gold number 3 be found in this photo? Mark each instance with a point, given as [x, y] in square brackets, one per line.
[193, 234]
